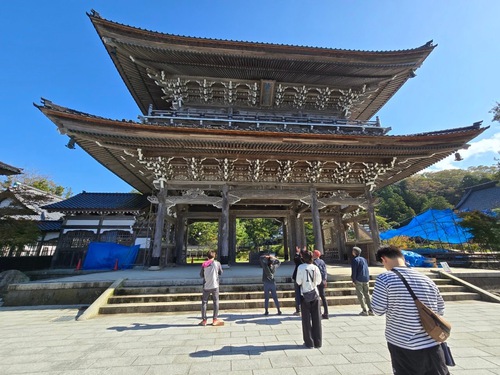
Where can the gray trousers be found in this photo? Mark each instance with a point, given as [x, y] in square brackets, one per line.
[270, 287]
[204, 302]
[363, 294]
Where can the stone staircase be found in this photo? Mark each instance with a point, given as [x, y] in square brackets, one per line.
[160, 297]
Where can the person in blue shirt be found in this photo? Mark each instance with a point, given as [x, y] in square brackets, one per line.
[360, 276]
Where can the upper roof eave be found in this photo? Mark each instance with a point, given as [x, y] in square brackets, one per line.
[101, 24]
[187, 55]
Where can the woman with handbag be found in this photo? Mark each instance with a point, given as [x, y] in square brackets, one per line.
[309, 277]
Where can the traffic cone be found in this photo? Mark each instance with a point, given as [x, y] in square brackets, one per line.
[115, 268]
[79, 265]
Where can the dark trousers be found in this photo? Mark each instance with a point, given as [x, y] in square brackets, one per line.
[321, 290]
[429, 361]
[311, 323]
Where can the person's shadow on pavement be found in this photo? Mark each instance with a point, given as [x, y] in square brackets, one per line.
[142, 326]
[247, 349]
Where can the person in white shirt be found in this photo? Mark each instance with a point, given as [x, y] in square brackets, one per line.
[309, 277]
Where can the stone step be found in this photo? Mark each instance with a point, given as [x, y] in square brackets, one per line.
[239, 304]
[238, 295]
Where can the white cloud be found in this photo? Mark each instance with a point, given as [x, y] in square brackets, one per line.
[482, 152]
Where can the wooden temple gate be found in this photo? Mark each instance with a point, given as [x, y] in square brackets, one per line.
[260, 130]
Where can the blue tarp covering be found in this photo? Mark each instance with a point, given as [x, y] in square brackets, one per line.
[433, 225]
[103, 256]
[416, 260]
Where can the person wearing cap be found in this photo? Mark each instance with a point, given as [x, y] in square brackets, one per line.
[360, 276]
[322, 286]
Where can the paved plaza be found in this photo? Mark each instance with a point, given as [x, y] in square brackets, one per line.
[48, 340]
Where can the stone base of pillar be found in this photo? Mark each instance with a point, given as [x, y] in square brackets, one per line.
[224, 259]
[154, 264]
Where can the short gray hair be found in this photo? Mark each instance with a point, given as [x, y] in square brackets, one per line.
[357, 250]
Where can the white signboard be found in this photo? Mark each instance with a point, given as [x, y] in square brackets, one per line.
[446, 267]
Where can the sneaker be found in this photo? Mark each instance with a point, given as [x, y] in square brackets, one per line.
[363, 313]
[217, 322]
[266, 312]
[324, 316]
[279, 312]
[203, 323]
[296, 313]
[370, 312]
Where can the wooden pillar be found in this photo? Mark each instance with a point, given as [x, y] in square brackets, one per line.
[340, 232]
[224, 226]
[300, 234]
[154, 264]
[167, 238]
[372, 222]
[290, 231]
[285, 240]
[232, 239]
[318, 235]
[180, 235]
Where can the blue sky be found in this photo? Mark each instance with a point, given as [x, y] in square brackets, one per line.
[50, 49]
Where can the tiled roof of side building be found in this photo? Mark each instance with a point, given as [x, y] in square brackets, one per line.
[94, 202]
[50, 225]
[481, 197]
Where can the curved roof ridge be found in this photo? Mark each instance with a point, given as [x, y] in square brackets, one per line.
[50, 105]
[93, 15]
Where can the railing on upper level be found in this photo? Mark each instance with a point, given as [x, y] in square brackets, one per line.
[262, 121]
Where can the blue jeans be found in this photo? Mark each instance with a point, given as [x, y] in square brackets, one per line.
[270, 288]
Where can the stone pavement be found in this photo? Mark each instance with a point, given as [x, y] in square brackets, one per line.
[48, 340]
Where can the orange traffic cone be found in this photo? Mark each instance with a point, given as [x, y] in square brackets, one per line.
[115, 268]
[79, 265]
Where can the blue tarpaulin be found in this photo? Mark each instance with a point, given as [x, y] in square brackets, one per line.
[415, 260]
[433, 225]
[103, 256]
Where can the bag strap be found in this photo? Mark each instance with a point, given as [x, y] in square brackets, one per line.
[406, 284]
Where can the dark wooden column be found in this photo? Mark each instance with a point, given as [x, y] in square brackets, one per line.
[318, 235]
[300, 231]
[340, 233]
[224, 226]
[154, 264]
[232, 238]
[180, 235]
[372, 222]
[286, 250]
[290, 231]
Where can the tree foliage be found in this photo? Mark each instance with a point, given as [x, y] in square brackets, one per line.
[484, 228]
[398, 203]
[38, 181]
[16, 233]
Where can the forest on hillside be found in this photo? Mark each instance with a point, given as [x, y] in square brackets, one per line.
[399, 203]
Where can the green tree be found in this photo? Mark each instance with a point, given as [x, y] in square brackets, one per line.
[260, 230]
[436, 203]
[16, 233]
[37, 181]
[392, 206]
[203, 233]
[496, 112]
[484, 228]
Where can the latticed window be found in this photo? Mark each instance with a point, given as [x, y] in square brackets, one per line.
[121, 237]
[79, 239]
